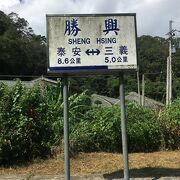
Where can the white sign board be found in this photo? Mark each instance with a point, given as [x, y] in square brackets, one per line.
[78, 43]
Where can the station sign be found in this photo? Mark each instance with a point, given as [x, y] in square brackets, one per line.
[91, 43]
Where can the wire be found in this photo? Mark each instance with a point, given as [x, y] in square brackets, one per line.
[176, 21]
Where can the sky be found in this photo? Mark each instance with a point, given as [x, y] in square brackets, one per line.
[152, 16]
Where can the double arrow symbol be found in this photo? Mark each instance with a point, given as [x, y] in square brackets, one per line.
[92, 52]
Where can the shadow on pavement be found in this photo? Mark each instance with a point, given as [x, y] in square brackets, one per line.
[156, 173]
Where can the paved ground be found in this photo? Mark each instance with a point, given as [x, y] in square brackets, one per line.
[89, 177]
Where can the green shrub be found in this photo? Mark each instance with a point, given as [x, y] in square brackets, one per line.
[31, 122]
[143, 129]
[170, 125]
[25, 133]
[98, 131]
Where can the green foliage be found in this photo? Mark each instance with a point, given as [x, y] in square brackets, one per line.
[31, 122]
[152, 52]
[157, 90]
[98, 131]
[25, 133]
[170, 125]
[143, 129]
[21, 51]
[101, 130]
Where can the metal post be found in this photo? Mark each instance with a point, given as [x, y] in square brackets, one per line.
[123, 127]
[169, 68]
[138, 87]
[143, 87]
[167, 82]
[170, 63]
[66, 130]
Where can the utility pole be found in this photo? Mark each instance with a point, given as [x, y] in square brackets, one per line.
[170, 62]
[167, 82]
[169, 68]
[139, 95]
[143, 87]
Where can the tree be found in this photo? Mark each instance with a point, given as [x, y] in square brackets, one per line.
[21, 51]
[152, 54]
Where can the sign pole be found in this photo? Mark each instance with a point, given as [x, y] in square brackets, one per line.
[123, 127]
[66, 130]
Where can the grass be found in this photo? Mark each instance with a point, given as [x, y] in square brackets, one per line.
[157, 163]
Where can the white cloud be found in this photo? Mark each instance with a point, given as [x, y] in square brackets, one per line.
[152, 15]
[7, 4]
